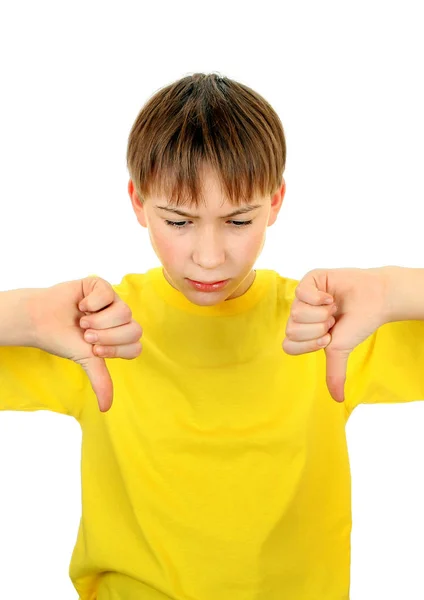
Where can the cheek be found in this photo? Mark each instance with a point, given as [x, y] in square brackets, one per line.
[165, 245]
[250, 244]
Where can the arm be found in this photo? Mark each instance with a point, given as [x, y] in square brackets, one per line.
[365, 300]
[49, 319]
[16, 327]
[31, 379]
[405, 294]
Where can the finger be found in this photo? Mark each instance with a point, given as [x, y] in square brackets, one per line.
[307, 292]
[336, 370]
[304, 313]
[127, 351]
[301, 332]
[296, 348]
[125, 334]
[97, 293]
[115, 315]
[100, 380]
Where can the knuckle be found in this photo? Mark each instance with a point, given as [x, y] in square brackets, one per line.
[112, 351]
[107, 286]
[132, 351]
[138, 329]
[289, 330]
[313, 273]
[127, 312]
[331, 311]
[286, 346]
[295, 314]
[106, 351]
[289, 347]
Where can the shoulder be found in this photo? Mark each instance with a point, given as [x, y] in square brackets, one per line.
[130, 284]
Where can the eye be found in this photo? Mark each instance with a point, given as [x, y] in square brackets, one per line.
[181, 224]
[241, 223]
[176, 224]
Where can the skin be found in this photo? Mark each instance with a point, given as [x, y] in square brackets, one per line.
[209, 247]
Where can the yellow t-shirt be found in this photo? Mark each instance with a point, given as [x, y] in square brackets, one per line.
[221, 471]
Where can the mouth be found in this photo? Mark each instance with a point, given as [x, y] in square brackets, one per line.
[208, 286]
[208, 282]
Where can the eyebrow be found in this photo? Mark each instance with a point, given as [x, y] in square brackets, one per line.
[239, 211]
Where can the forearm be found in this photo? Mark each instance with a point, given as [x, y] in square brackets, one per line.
[405, 294]
[16, 324]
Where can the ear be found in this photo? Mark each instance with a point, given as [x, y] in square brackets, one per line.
[137, 205]
[276, 203]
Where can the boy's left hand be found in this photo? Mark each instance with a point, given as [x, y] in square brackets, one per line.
[360, 298]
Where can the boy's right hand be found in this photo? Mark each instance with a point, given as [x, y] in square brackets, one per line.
[56, 314]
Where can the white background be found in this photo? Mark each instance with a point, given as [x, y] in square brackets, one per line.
[347, 82]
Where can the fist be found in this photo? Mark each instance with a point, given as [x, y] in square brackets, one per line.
[308, 327]
[86, 321]
[358, 300]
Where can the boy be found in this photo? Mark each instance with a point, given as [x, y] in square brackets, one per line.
[221, 470]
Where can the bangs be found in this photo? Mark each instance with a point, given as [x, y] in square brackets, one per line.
[206, 120]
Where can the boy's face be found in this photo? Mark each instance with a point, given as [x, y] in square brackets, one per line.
[208, 247]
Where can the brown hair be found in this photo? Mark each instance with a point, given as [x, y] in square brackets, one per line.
[206, 119]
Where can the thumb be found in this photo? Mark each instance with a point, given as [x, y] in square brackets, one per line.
[100, 380]
[336, 370]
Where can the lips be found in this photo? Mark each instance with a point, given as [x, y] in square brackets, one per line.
[209, 282]
[208, 287]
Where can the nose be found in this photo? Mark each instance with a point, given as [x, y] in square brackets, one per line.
[209, 252]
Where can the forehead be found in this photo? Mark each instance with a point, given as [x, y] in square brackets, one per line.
[210, 199]
[213, 199]
[196, 214]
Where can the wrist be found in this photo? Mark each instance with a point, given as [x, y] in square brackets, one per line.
[404, 293]
[17, 326]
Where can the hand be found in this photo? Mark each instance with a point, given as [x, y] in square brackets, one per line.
[359, 308]
[56, 314]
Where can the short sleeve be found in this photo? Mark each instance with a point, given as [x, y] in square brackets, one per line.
[32, 379]
[388, 366]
